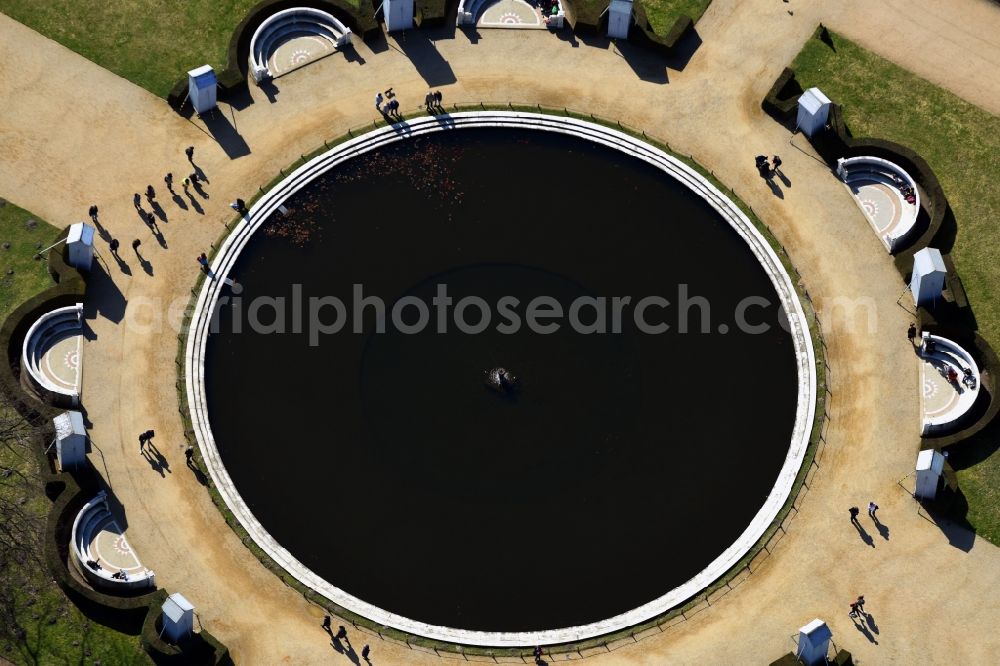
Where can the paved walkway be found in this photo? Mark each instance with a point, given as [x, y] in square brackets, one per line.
[72, 134]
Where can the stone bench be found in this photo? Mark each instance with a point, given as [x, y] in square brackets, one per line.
[49, 327]
[468, 14]
[281, 26]
[89, 522]
[946, 354]
[878, 170]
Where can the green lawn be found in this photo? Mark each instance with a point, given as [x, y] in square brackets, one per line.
[30, 276]
[961, 142]
[149, 42]
[57, 632]
[154, 42]
[663, 13]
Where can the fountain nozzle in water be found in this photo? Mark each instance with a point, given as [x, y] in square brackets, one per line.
[501, 380]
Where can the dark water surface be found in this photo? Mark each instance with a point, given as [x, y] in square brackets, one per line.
[626, 463]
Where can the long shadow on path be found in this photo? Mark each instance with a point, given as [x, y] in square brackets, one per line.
[646, 64]
[158, 211]
[194, 203]
[863, 628]
[869, 541]
[346, 651]
[103, 296]
[883, 529]
[418, 46]
[226, 135]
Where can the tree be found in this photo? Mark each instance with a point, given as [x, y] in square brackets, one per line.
[21, 521]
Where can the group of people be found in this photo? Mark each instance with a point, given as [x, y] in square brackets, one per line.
[432, 100]
[905, 190]
[121, 574]
[768, 169]
[858, 607]
[391, 104]
[341, 635]
[872, 508]
[144, 438]
[195, 177]
[968, 378]
[387, 104]
[548, 8]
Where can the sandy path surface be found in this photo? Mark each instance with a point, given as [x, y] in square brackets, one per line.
[73, 134]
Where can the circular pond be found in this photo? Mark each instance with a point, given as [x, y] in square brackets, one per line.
[619, 462]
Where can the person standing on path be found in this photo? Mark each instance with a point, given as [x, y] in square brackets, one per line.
[203, 260]
[92, 211]
[854, 515]
[365, 651]
[378, 101]
[437, 98]
[142, 443]
[341, 633]
[189, 151]
[326, 623]
[135, 245]
[186, 183]
[114, 247]
[911, 333]
[872, 508]
[169, 180]
[150, 193]
[776, 164]
[137, 201]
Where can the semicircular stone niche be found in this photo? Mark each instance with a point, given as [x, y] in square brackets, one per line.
[621, 467]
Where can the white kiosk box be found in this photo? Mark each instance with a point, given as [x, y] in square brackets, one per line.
[814, 110]
[398, 14]
[80, 245]
[814, 642]
[71, 439]
[178, 618]
[619, 18]
[202, 89]
[930, 467]
[927, 281]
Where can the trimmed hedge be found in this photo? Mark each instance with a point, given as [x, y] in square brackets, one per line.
[951, 318]
[68, 289]
[782, 99]
[433, 13]
[647, 37]
[591, 19]
[69, 491]
[233, 78]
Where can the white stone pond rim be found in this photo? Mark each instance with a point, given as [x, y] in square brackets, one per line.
[302, 176]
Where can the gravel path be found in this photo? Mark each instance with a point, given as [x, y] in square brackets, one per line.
[73, 134]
